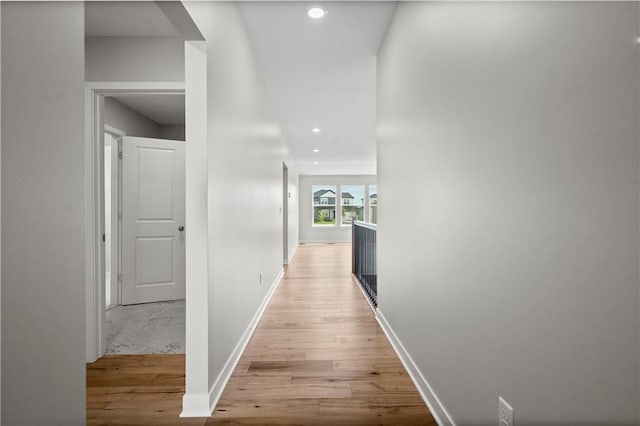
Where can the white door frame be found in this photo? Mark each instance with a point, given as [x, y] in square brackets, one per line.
[94, 214]
[115, 209]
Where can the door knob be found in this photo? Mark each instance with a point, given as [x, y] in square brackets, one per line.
[180, 228]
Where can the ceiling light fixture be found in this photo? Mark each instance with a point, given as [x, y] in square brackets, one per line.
[316, 13]
[316, 150]
[315, 162]
[315, 130]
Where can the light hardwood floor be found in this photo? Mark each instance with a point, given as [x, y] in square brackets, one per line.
[318, 357]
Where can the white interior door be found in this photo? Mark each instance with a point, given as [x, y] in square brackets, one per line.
[153, 249]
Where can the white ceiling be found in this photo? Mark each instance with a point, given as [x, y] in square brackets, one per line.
[323, 74]
[320, 73]
[161, 108]
[126, 19]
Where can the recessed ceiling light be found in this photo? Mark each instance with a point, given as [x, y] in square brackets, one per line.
[316, 150]
[315, 130]
[315, 162]
[316, 13]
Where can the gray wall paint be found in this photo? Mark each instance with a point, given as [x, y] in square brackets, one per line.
[245, 152]
[134, 59]
[513, 130]
[123, 118]
[325, 234]
[172, 131]
[43, 370]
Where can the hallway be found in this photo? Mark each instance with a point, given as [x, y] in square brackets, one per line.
[317, 357]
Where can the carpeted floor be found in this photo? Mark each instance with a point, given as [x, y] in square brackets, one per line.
[149, 328]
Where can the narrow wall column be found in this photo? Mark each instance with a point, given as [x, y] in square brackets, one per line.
[196, 398]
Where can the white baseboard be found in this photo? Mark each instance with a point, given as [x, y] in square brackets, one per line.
[435, 406]
[192, 405]
[225, 374]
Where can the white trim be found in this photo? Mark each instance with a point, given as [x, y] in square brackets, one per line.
[113, 236]
[135, 87]
[116, 189]
[93, 263]
[192, 404]
[116, 132]
[438, 411]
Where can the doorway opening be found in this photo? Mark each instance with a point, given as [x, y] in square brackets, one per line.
[285, 214]
[143, 226]
[137, 303]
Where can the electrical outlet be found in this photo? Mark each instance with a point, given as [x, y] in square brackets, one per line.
[505, 413]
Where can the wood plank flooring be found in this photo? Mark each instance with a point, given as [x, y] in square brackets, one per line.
[318, 357]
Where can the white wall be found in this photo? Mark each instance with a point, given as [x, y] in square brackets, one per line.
[174, 132]
[294, 217]
[245, 150]
[324, 233]
[43, 325]
[196, 401]
[134, 59]
[132, 123]
[512, 128]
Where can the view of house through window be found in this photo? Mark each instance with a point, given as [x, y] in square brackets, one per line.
[324, 204]
[373, 203]
[355, 202]
[352, 204]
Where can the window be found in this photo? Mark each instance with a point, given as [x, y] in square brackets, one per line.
[373, 203]
[352, 197]
[324, 204]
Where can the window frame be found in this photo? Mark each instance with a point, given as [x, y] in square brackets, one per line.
[337, 205]
[324, 202]
[371, 205]
[363, 206]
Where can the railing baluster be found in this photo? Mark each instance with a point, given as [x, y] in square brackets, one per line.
[364, 258]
